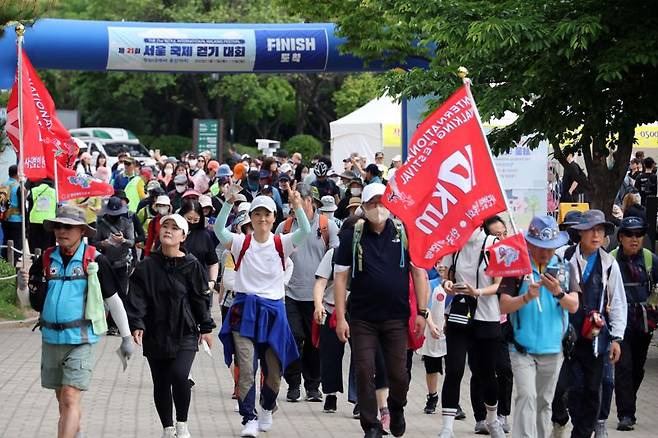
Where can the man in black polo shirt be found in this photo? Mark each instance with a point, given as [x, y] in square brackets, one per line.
[379, 307]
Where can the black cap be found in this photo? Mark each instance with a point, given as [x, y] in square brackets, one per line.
[284, 177]
[633, 223]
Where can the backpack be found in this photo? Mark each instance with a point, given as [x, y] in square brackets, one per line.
[323, 229]
[357, 249]
[38, 294]
[648, 261]
[5, 202]
[278, 244]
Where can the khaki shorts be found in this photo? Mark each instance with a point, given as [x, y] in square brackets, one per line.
[66, 365]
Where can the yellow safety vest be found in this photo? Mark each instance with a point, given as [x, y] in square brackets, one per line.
[132, 194]
[214, 189]
[44, 204]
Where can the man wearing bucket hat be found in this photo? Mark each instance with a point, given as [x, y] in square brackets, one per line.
[115, 236]
[537, 309]
[599, 322]
[70, 284]
[639, 269]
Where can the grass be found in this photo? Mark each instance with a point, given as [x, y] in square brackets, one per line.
[8, 308]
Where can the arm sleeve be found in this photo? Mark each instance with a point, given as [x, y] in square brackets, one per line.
[106, 277]
[119, 314]
[618, 303]
[223, 234]
[303, 227]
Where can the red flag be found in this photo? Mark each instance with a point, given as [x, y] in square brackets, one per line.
[72, 186]
[509, 258]
[44, 137]
[448, 186]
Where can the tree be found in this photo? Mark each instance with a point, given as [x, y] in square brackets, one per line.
[582, 73]
[12, 11]
[356, 91]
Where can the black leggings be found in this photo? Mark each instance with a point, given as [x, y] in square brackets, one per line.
[170, 376]
[483, 354]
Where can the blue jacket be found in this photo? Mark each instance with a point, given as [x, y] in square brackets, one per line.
[262, 320]
[65, 302]
[539, 332]
[14, 200]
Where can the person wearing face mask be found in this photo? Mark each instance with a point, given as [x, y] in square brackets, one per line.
[200, 244]
[114, 238]
[192, 164]
[380, 270]
[181, 184]
[354, 189]
[162, 208]
[166, 175]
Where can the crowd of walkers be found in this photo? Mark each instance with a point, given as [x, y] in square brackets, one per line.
[302, 260]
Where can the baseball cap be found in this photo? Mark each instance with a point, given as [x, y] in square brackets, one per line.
[264, 174]
[372, 190]
[213, 165]
[284, 177]
[397, 158]
[163, 200]
[178, 219]
[633, 223]
[205, 201]
[263, 202]
[244, 206]
[285, 168]
[152, 185]
[191, 192]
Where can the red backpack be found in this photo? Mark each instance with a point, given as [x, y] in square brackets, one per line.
[247, 242]
[88, 257]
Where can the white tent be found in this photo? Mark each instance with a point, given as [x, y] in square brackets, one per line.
[374, 127]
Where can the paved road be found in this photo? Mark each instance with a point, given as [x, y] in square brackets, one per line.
[120, 405]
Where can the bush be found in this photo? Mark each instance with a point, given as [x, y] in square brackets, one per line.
[307, 145]
[8, 308]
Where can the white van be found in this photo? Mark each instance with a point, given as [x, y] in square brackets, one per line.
[112, 148]
[105, 134]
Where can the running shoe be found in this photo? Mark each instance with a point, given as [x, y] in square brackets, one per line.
[293, 394]
[181, 430]
[430, 405]
[250, 429]
[265, 420]
[330, 404]
[481, 428]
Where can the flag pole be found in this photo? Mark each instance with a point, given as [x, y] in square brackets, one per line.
[462, 72]
[20, 31]
[56, 181]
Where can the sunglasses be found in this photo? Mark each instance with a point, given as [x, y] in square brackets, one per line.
[633, 233]
[58, 226]
[127, 163]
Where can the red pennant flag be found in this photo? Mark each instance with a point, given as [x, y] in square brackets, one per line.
[45, 139]
[72, 186]
[509, 258]
[448, 186]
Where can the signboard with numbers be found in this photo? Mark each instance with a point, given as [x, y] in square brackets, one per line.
[208, 136]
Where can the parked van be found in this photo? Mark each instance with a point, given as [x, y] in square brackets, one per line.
[112, 148]
[105, 134]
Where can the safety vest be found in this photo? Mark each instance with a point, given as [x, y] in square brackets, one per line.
[132, 194]
[62, 318]
[214, 189]
[44, 204]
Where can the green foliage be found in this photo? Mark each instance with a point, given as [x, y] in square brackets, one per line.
[583, 71]
[8, 308]
[25, 11]
[169, 145]
[356, 91]
[307, 145]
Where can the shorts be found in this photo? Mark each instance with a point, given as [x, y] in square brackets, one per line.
[433, 364]
[66, 365]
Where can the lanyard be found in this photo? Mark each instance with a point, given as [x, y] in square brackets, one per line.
[590, 266]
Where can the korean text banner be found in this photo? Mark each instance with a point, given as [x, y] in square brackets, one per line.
[448, 185]
[216, 50]
[509, 258]
[45, 139]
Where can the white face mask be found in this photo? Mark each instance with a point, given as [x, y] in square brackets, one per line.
[181, 189]
[356, 191]
[192, 163]
[378, 215]
[162, 210]
[168, 171]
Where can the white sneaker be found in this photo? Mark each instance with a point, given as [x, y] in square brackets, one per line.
[265, 420]
[181, 430]
[507, 428]
[559, 431]
[496, 429]
[446, 433]
[169, 432]
[250, 429]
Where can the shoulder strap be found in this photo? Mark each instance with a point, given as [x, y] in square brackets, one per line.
[570, 252]
[402, 233]
[245, 246]
[287, 225]
[278, 244]
[324, 229]
[45, 260]
[648, 261]
[357, 250]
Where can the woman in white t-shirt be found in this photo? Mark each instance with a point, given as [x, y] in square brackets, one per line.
[256, 325]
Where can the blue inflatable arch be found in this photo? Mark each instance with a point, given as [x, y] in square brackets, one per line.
[180, 47]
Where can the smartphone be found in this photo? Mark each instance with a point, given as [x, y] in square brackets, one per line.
[553, 271]
[459, 286]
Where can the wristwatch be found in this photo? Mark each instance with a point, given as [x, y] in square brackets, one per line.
[424, 313]
[617, 339]
[559, 296]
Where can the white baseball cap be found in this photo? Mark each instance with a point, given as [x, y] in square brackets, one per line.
[285, 168]
[178, 219]
[372, 190]
[244, 206]
[397, 158]
[162, 200]
[263, 201]
[205, 201]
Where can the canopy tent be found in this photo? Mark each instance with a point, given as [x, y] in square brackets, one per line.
[374, 127]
